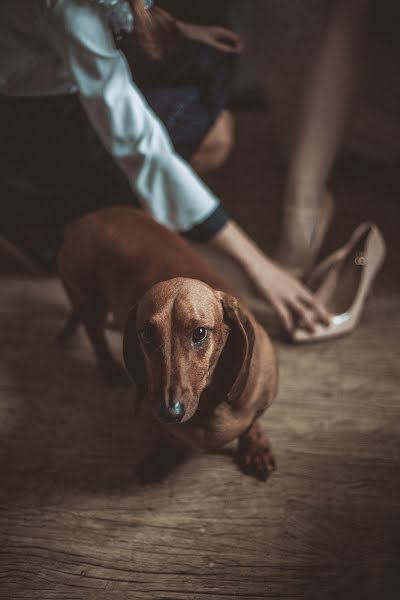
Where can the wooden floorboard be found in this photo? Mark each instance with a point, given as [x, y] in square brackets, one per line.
[76, 524]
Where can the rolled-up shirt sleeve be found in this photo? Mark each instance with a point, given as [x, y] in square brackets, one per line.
[163, 182]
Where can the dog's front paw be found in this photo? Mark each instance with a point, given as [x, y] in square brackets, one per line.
[114, 374]
[255, 457]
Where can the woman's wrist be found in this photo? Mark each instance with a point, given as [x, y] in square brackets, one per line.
[235, 243]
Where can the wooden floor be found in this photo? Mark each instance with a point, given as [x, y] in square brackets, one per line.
[74, 522]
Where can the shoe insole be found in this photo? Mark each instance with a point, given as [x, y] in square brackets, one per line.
[338, 289]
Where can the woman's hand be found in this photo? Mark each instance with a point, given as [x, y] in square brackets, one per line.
[217, 37]
[292, 302]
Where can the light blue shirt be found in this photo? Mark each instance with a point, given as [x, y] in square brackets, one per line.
[53, 47]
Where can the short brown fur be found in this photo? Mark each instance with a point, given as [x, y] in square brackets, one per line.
[120, 260]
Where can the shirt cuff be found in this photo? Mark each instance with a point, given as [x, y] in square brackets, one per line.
[207, 229]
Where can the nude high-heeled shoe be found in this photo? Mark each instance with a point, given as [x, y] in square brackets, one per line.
[342, 283]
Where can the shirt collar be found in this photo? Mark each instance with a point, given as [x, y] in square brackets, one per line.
[119, 14]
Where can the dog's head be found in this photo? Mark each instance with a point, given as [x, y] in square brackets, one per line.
[181, 337]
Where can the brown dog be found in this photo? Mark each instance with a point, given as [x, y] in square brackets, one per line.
[203, 365]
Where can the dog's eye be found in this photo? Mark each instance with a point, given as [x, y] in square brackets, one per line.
[199, 335]
[149, 336]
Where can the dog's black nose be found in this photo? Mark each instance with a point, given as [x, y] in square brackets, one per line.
[173, 413]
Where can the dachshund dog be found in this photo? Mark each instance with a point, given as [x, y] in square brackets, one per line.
[204, 368]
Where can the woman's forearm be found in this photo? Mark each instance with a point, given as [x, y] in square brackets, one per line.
[235, 243]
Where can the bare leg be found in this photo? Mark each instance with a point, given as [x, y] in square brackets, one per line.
[216, 146]
[254, 454]
[329, 91]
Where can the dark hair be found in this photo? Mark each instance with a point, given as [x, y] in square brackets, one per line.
[155, 29]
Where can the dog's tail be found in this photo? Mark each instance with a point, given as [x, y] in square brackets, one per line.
[69, 329]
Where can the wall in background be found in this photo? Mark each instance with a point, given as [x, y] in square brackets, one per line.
[280, 37]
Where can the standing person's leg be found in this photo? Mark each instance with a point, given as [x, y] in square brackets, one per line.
[329, 91]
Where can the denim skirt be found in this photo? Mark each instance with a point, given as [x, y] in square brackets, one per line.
[53, 166]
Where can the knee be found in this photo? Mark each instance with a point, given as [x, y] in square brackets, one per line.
[216, 146]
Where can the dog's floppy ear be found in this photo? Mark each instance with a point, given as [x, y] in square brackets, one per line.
[233, 367]
[133, 357]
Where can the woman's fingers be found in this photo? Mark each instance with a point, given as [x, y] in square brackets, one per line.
[218, 37]
[225, 39]
[221, 46]
[284, 314]
[227, 33]
[297, 309]
[294, 304]
[311, 302]
[305, 318]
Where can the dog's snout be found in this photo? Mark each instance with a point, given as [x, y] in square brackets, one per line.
[173, 412]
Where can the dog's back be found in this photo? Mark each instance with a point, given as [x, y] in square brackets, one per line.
[116, 254]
